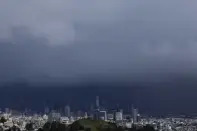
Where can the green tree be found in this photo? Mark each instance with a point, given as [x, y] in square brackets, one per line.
[40, 129]
[29, 126]
[54, 126]
[14, 128]
[47, 126]
[3, 120]
[147, 128]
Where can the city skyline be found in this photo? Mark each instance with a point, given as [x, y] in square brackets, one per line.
[98, 65]
[127, 52]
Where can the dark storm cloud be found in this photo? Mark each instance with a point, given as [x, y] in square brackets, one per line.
[85, 41]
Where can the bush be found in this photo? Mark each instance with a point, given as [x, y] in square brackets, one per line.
[3, 120]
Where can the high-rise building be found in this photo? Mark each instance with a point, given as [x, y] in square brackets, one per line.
[46, 110]
[138, 117]
[85, 115]
[67, 111]
[134, 114]
[97, 102]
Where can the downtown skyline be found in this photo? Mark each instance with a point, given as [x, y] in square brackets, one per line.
[127, 52]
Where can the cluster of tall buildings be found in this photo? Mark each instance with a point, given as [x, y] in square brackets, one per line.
[114, 115]
[97, 112]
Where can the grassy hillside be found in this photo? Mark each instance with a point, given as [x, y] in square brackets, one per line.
[93, 125]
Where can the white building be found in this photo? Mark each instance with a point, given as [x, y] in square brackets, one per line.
[65, 120]
[119, 116]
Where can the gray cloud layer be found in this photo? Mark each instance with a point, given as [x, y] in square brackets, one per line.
[81, 41]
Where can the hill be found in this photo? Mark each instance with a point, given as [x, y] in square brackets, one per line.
[91, 125]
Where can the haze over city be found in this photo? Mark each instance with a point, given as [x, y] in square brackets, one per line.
[127, 52]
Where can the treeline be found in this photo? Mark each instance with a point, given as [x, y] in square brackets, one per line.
[80, 125]
[56, 126]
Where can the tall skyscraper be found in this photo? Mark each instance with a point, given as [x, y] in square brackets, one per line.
[97, 102]
[67, 111]
[46, 110]
[134, 114]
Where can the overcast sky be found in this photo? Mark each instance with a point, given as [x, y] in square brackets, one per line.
[67, 41]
